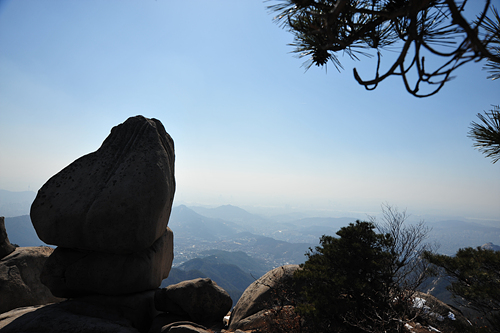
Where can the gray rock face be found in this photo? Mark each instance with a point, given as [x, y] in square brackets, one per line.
[117, 199]
[184, 328]
[6, 247]
[20, 279]
[97, 314]
[163, 324]
[138, 309]
[164, 319]
[259, 297]
[73, 273]
[201, 299]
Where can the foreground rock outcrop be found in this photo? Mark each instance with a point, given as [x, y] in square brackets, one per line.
[20, 278]
[268, 305]
[251, 311]
[97, 314]
[108, 213]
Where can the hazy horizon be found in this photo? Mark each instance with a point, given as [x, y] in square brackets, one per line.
[18, 208]
[250, 127]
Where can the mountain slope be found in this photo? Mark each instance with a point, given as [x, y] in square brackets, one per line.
[186, 223]
[228, 276]
[255, 267]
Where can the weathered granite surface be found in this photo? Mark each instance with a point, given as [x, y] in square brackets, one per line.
[20, 279]
[117, 199]
[74, 273]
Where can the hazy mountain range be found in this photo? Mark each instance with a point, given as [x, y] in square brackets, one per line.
[234, 247]
[226, 225]
[450, 235]
[233, 271]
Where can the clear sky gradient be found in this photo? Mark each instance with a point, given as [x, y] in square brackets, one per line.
[251, 127]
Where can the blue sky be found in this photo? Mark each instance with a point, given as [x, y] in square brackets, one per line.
[251, 127]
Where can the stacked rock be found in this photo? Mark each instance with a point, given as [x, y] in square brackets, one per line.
[108, 213]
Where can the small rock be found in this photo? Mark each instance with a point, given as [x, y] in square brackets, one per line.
[201, 299]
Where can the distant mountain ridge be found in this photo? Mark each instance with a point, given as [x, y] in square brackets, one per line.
[302, 230]
[185, 222]
[236, 215]
[229, 213]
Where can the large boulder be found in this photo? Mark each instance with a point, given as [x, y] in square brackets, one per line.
[200, 299]
[117, 199]
[273, 288]
[20, 279]
[73, 273]
[6, 247]
[96, 314]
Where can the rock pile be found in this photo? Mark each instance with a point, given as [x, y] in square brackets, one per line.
[108, 213]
